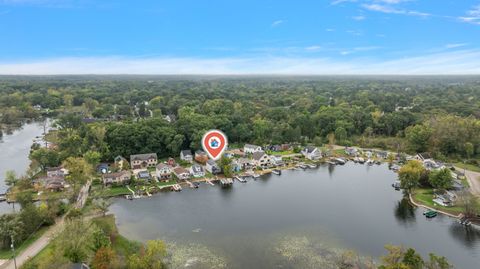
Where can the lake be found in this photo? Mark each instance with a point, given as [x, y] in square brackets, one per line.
[14, 151]
[290, 221]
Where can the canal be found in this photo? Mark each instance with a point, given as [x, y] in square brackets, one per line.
[293, 220]
[14, 151]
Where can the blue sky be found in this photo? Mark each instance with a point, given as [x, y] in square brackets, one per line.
[240, 37]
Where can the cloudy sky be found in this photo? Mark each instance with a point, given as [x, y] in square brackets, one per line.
[240, 37]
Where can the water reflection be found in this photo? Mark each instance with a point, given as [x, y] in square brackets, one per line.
[405, 212]
[331, 169]
[468, 236]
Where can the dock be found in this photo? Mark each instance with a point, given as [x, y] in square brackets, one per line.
[209, 181]
[240, 179]
[226, 181]
[191, 184]
[176, 187]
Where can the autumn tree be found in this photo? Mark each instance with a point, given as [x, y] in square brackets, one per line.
[410, 175]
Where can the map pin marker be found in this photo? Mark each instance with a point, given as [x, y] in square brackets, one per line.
[214, 142]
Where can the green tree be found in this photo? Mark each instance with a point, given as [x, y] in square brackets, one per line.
[469, 149]
[441, 179]
[10, 178]
[79, 171]
[92, 158]
[151, 258]
[102, 205]
[226, 165]
[418, 137]
[412, 259]
[410, 175]
[45, 157]
[75, 241]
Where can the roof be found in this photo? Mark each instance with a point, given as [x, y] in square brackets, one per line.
[186, 152]
[143, 173]
[310, 149]
[258, 155]
[179, 170]
[200, 152]
[162, 166]
[211, 162]
[119, 157]
[197, 168]
[251, 146]
[143, 157]
[117, 174]
[244, 160]
[425, 155]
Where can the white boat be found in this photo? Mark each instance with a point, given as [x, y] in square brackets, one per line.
[361, 160]
[311, 165]
[256, 175]
[370, 162]
[276, 172]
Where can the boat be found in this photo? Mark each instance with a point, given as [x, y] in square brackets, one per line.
[240, 179]
[340, 161]
[378, 162]
[256, 175]
[301, 165]
[430, 214]
[361, 160]
[312, 165]
[331, 163]
[176, 187]
[356, 160]
[128, 197]
[396, 185]
[369, 162]
[225, 182]
[277, 171]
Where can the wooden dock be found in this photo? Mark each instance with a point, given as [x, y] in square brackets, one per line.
[240, 179]
[209, 181]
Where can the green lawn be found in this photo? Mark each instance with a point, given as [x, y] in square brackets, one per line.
[467, 166]
[111, 191]
[425, 197]
[280, 153]
[7, 253]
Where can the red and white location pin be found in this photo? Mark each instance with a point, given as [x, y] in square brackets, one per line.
[214, 142]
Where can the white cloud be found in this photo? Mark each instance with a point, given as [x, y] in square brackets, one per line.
[449, 62]
[359, 18]
[455, 45]
[313, 48]
[393, 10]
[473, 16]
[277, 23]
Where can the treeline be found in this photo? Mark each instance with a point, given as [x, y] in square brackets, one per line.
[369, 111]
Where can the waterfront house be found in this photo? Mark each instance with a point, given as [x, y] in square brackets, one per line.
[277, 160]
[201, 156]
[261, 159]
[311, 153]
[234, 152]
[212, 167]
[181, 173]
[423, 156]
[163, 172]
[250, 149]
[275, 148]
[143, 175]
[56, 172]
[186, 155]
[197, 171]
[245, 163]
[351, 151]
[121, 163]
[51, 183]
[140, 161]
[236, 167]
[122, 177]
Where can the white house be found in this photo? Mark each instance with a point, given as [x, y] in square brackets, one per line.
[312, 153]
[139, 161]
[197, 171]
[212, 167]
[181, 173]
[277, 160]
[163, 171]
[261, 159]
[186, 155]
[117, 178]
[250, 149]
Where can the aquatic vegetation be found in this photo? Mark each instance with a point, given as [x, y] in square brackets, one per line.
[194, 256]
[300, 252]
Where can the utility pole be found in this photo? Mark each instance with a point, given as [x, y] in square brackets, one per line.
[13, 251]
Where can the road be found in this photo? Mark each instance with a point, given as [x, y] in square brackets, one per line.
[42, 242]
[473, 179]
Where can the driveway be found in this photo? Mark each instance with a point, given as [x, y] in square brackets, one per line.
[473, 179]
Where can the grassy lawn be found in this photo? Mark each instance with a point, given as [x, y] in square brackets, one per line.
[425, 197]
[280, 153]
[111, 191]
[164, 183]
[467, 166]
[7, 253]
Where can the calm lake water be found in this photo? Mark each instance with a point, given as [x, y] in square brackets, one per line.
[247, 226]
[14, 150]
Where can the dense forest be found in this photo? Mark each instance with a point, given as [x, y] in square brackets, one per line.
[123, 115]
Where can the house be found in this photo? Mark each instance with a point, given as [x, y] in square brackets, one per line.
[181, 173]
[382, 154]
[423, 156]
[261, 159]
[139, 161]
[286, 147]
[430, 164]
[170, 118]
[236, 167]
[250, 149]
[277, 160]
[144, 175]
[275, 148]
[201, 156]
[311, 153]
[56, 172]
[197, 171]
[245, 163]
[121, 163]
[212, 167]
[186, 155]
[163, 172]
[234, 152]
[350, 151]
[122, 177]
